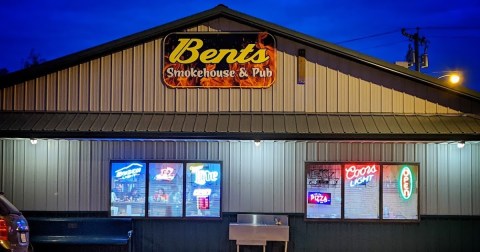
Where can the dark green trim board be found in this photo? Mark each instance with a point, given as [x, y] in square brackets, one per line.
[219, 12]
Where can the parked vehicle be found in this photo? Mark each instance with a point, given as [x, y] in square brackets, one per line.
[14, 231]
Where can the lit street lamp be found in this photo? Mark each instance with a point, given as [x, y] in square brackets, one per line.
[453, 78]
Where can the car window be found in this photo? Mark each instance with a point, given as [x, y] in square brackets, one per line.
[6, 207]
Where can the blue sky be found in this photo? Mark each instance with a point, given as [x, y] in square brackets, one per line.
[55, 28]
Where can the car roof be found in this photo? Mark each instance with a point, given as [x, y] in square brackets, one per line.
[6, 207]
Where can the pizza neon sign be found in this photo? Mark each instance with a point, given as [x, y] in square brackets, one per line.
[361, 175]
[405, 183]
[319, 198]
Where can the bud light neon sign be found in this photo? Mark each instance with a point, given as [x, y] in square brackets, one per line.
[319, 198]
[405, 183]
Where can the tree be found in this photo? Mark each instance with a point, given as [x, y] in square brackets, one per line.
[33, 59]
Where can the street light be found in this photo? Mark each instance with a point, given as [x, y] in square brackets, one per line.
[453, 78]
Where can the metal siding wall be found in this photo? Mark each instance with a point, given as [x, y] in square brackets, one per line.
[148, 97]
[61, 175]
[52, 175]
[40, 92]
[62, 90]
[475, 179]
[105, 83]
[73, 88]
[387, 102]
[28, 165]
[85, 175]
[19, 96]
[343, 93]
[130, 80]
[40, 172]
[84, 87]
[94, 85]
[73, 177]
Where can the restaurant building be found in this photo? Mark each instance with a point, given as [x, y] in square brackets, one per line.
[184, 126]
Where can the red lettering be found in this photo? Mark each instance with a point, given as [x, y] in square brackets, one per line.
[354, 172]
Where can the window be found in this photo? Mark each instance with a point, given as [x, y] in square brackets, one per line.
[174, 189]
[362, 184]
[165, 190]
[324, 191]
[128, 189]
[400, 192]
[203, 190]
[361, 191]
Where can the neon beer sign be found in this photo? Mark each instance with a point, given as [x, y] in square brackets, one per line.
[129, 171]
[167, 174]
[203, 176]
[203, 198]
[361, 175]
[319, 198]
[405, 182]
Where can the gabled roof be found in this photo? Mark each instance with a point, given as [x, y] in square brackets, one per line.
[225, 12]
[241, 126]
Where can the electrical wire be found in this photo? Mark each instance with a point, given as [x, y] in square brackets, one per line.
[382, 45]
[369, 36]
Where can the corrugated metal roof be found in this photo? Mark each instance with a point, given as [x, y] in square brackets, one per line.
[240, 126]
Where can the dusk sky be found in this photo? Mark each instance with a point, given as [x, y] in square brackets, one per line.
[56, 28]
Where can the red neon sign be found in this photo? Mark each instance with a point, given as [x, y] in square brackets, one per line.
[203, 203]
[360, 175]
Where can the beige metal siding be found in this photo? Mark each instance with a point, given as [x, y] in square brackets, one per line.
[130, 80]
[62, 175]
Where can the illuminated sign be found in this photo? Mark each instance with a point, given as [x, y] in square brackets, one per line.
[167, 174]
[405, 182]
[203, 190]
[203, 176]
[319, 198]
[219, 60]
[129, 171]
[360, 176]
[203, 200]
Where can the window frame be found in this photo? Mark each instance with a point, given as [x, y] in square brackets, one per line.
[147, 188]
[380, 191]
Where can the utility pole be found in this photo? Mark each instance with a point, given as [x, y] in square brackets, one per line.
[417, 42]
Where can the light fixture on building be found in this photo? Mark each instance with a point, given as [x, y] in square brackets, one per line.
[33, 141]
[461, 144]
[257, 142]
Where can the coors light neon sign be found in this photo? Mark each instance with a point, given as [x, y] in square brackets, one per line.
[360, 175]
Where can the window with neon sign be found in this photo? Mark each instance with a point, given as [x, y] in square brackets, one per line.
[203, 188]
[362, 185]
[400, 192]
[127, 196]
[324, 191]
[361, 191]
[166, 189]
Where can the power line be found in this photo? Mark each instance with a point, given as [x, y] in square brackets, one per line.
[367, 37]
[382, 45]
[450, 28]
